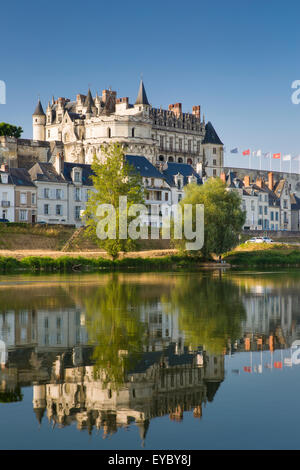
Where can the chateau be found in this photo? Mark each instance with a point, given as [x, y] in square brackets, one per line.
[159, 135]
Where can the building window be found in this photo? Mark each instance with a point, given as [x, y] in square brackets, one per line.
[215, 162]
[46, 209]
[77, 212]
[171, 159]
[32, 198]
[276, 216]
[23, 198]
[77, 177]
[171, 143]
[46, 193]
[109, 132]
[166, 196]
[272, 215]
[58, 194]
[260, 210]
[77, 194]
[180, 160]
[214, 150]
[161, 141]
[161, 158]
[48, 133]
[23, 216]
[266, 210]
[58, 209]
[132, 132]
[189, 145]
[180, 144]
[198, 146]
[214, 172]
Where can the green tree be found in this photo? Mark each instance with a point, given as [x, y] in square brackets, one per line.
[113, 177]
[10, 130]
[223, 216]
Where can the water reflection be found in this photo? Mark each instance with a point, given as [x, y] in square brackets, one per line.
[114, 350]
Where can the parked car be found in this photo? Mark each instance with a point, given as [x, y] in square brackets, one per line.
[260, 240]
[6, 221]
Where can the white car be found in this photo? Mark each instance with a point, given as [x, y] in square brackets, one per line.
[260, 240]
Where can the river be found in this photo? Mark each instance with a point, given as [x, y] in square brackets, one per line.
[204, 360]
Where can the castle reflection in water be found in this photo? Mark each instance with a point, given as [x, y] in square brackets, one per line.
[50, 349]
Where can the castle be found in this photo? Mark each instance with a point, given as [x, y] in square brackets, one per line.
[160, 135]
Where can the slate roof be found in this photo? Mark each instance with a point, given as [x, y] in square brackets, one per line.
[86, 172]
[184, 169]
[45, 172]
[211, 137]
[20, 177]
[143, 166]
[142, 96]
[39, 110]
[89, 102]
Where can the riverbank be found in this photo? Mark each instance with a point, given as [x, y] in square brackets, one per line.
[264, 255]
[37, 264]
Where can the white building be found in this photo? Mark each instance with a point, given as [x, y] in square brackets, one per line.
[7, 195]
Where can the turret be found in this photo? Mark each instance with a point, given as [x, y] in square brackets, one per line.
[38, 122]
[142, 100]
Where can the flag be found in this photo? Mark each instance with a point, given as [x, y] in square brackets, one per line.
[246, 152]
[235, 150]
[267, 155]
[247, 369]
[278, 365]
[258, 153]
[276, 155]
[286, 158]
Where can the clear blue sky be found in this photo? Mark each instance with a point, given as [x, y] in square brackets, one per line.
[236, 58]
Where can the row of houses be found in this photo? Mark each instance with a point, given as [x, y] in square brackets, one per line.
[269, 204]
[57, 193]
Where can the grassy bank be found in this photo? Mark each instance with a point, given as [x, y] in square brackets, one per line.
[264, 254]
[76, 264]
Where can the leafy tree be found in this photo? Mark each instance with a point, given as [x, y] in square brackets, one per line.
[10, 130]
[113, 177]
[223, 216]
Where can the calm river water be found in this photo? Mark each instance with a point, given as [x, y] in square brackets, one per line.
[203, 360]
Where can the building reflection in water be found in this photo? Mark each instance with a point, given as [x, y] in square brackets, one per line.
[116, 359]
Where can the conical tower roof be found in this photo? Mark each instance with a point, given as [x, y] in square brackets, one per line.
[89, 102]
[142, 96]
[39, 110]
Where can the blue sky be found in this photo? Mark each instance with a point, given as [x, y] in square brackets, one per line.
[237, 59]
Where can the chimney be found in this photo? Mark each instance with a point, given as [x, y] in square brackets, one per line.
[59, 163]
[247, 181]
[259, 182]
[223, 177]
[196, 111]
[270, 181]
[175, 108]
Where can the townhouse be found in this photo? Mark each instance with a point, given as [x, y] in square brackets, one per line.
[7, 195]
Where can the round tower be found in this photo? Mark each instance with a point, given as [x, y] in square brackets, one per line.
[39, 122]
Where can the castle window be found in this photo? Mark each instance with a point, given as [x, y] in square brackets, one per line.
[108, 132]
[180, 160]
[132, 132]
[171, 159]
[189, 145]
[180, 144]
[171, 143]
[161, 158]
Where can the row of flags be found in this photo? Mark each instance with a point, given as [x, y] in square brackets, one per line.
[259, 153]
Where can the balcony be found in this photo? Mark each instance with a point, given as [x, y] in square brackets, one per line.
[177, 151]
[5, 203]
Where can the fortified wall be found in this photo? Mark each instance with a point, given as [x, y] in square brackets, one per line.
[23, 153]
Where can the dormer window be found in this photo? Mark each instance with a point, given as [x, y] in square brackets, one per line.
[77, 177]
[4, 178]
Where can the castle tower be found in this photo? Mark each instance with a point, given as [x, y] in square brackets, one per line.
[142, 100]
[38, 122]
